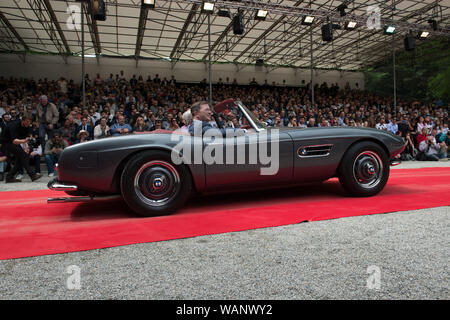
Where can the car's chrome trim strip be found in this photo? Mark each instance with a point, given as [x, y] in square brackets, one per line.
[82, 199]
[303, 151]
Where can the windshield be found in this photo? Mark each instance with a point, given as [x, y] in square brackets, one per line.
[234, 114]
[252, 117]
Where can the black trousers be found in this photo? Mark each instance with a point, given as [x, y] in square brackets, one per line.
[21, 159]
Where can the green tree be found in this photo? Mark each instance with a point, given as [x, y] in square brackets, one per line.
[421, 74]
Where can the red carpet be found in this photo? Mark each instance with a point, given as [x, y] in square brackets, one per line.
[31, 227]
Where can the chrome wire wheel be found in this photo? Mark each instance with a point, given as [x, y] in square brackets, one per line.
[368, 169]
[156, 183]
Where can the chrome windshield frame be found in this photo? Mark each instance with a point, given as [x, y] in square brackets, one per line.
[245, 112]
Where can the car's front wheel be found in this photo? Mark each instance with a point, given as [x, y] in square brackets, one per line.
[152, 185]
[364, 169]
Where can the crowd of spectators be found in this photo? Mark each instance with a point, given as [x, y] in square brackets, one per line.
[117, 105]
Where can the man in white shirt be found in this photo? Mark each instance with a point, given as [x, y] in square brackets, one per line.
[101, 130]
[382, 125]
[392, 126]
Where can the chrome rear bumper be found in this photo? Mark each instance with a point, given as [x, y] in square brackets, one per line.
[61, 186]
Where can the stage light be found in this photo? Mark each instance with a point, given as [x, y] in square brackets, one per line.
[307, 20]
[208, 7]
[341, 8]
[389, 29]
[424, 34]
[327, 32]
[259, 62]
[261, 14]
[433, 24]
[238, 24]
[224, 13]
[350, 25]
[410, 42]
[99, 10]
[148, 3]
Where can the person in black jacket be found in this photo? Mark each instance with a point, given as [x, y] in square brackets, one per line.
[18, 133]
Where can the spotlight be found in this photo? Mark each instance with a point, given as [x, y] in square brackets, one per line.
[424, 34]
[389, 29]
[224, 13]
[327, 32]
[307, 20]
[238, 24]
[341, 8]
[148, 3]
[261, 15]
[208, 7]
[410, 42]
[433, 24]
[99, 10]
[350, 25]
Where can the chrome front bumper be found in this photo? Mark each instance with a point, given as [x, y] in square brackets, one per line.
[82, 199]
[61, 186]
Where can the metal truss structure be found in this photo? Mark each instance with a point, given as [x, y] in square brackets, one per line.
[177, 30]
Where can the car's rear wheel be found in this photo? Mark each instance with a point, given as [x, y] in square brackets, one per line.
[364, 169]
[152, 185]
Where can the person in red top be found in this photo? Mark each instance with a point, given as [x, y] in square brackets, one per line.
[422, 136]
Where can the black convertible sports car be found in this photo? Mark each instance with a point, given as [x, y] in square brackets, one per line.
[156, 172]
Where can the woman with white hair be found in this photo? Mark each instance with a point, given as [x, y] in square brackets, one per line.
[187, 120]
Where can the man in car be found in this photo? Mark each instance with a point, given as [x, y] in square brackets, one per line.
[202, 116]
[13, 136]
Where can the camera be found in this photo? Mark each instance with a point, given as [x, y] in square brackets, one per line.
[33, 143]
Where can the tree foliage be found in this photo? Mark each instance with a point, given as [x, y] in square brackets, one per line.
[420, 74]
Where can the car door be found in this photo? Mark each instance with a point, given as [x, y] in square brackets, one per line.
[255, 159]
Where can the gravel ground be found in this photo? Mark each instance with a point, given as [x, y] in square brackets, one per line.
[316, 260]
[333, 259]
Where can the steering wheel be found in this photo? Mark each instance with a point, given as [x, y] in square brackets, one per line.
[216, 118]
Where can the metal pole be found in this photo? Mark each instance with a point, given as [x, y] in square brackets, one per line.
[393, 62]
[312, 70]
[82, 58]
[209, 59]
[395, 77]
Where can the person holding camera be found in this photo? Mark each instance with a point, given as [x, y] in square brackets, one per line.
[432, 150]
[34, 150]
[3, 164]
[53, 149]
[18, 133]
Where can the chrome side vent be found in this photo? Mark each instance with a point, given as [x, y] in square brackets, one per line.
[314, 151]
